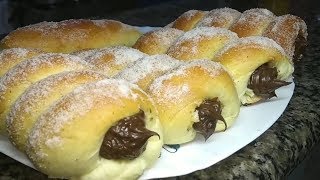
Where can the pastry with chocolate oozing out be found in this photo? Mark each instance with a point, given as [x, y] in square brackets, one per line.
[103, 130]
[290, 32]
[196, 97]
[258, 66]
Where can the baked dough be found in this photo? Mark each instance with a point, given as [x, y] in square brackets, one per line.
[145, 70]
[38, 97]
[72, 35]
[66, 139]
[11, 57]
[24, 74]
[182, 90]
[188, 20]
[157, 41]
[242, 57]
[113, 59]
[200, 43]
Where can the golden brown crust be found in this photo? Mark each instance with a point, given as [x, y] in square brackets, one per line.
[72, 35]
[285, 30]
[253, 22]
[157, 41]
[188, 20]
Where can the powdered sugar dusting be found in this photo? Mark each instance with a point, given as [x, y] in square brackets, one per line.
[222, 17]
[146, 66]
[285, 30]
[172, 93]
[258, 41]
[20, 72]
[117, 55]
[189, 14]
[75, 104]
[167, 35]
[83, 54]
[16, 52]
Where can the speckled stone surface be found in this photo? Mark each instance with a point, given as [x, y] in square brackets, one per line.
[276, 152]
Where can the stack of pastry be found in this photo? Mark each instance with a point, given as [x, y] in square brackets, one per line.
[105, 112]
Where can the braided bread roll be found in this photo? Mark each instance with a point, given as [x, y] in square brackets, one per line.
[24, 74]
[38, 97]
[72, 35]
[103, 130]
[13, 56]
[288, 30]
[112, 60]
[145, 70]
[198, 96]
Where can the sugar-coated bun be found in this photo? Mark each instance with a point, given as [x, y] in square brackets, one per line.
[290, 32]
[221, 17]
[253, 22]
[72, 35]
[188, 20]
[157, 41]
[24, 74]
[66, 140]
[200, 43]
[113, 59]
[38, 97]
[11, 57]
[179, 92]
[145, 70]
[242, 57]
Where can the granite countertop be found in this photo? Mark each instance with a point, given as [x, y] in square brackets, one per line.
[277, 151]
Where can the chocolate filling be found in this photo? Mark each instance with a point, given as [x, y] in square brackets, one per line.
[209, 112]
[264, 82]
[127, 139]
[299, 48]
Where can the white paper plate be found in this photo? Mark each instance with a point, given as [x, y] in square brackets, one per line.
[251, 123]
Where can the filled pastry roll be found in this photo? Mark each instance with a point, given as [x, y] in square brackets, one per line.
[258, 66]
[113, 59]
[222, 17]
[290, 32]
[187, 20]
[145, 70]
[24, 74]
[196, 97]
[103, 130]
[72, 35]
[200, 43]
[38, 97]
[11, 57]
[253, 22]
[157, 41]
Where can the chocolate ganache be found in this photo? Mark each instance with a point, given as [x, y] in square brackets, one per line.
[264, 82]
[209, 112]
[299, 47]
[127, 139]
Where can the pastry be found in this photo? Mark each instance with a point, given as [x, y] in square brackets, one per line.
[72, 35]
[253, 22]
[157, 41]
[113, 59]
[222, 17]
[11, 57]
[24, 74]
[198, 96]
[103, 130]
[258, 66]
[188, 20]
[145, 70]
[290, 32]
[200, 43]
[38, 97]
